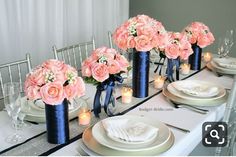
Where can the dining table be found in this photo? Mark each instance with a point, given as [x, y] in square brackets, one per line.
[185, 124]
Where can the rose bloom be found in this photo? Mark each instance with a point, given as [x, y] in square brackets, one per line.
[80, 85]
[113, 67]
[75, 89]
[120, 39]
[186, 50]
[37, 77]
[205, 39]
[124, 64]
[52, 93]
[54, 65]
[172, 51]
[143, 43]
[32, 93]
[100, 72]
[131, 42]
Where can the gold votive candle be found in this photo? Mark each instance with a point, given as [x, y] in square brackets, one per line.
[159, 82]
[185, 68]
[126, 94]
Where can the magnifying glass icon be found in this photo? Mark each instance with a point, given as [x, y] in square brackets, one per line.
[214, 134]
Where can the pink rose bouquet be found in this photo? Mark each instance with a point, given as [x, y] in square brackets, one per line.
[142, 33]
[53, 81]
[102, 63]
[198, 33]
[178, 46]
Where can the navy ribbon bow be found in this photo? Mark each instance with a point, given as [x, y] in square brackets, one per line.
[107, 85]
[170, 65]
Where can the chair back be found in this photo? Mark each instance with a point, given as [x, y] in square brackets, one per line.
[14, 72]
[74, 54]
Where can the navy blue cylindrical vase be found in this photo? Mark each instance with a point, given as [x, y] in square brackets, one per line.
[195, 58]
[57, 123]
[140, 73]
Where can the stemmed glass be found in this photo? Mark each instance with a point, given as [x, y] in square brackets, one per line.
[12, 101]
[225, 44]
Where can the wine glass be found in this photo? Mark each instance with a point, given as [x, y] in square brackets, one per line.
[221, 47]
[225, 44]
[229, 41]
[12, 101]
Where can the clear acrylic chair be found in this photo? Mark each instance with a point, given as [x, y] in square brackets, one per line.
[14, 72]
[75, 54]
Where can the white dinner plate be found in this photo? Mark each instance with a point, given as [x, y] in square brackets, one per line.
[229, 63]
[36, 114]
[95, 147]
[172, 89]
[162, 137]
[213, 66]
[194, 102]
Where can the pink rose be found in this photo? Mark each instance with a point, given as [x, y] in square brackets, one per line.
[172, 51]
[100, 72]
[52, 93]
[80, 85]
[86, 71]
[205, 40]
[131, 42]
[32, 93]
[123, 62]
[186, 49]
[120, 39]
[113, 67]
[161, 41]
[76, 89]
[143, 43]
[37, 77]
[54, 65]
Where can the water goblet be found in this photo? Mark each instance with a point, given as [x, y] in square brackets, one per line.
[12, 101]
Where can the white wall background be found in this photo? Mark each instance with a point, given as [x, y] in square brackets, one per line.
[219, 15]
[34, 26]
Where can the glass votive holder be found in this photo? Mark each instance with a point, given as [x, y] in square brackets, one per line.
[185, 68]
[84, 116]
[126, 95]
[207, 57]
[159, 81]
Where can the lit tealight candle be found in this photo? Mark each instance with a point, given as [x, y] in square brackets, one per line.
[207, 56]
[159, 82]
[126, 94]
[84, 116]
[185, 68]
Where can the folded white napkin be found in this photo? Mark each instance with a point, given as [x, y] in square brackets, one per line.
[229, 63]
[196, 88]
[128, 130]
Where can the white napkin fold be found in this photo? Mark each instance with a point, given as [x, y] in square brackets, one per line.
[195, 88]
[129, 130]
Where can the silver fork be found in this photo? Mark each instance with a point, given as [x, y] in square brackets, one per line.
[192, 108]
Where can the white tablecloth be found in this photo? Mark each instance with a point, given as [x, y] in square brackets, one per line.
[158, 108]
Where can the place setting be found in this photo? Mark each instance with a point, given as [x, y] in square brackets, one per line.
[127, 135]
[35, 110]
[190, 93]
